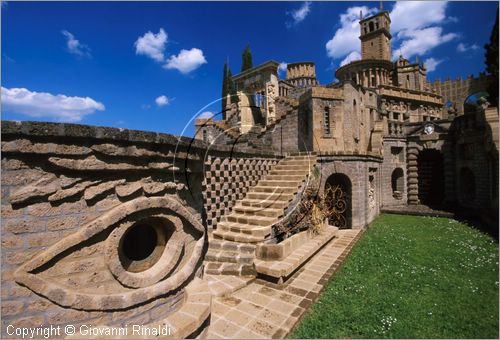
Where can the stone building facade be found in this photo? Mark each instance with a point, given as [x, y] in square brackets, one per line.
[114, 227]
[386, 118]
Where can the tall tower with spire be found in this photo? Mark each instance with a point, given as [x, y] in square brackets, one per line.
[376, 36]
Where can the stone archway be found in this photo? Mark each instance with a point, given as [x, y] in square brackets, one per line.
[430, 177]
[338, 192]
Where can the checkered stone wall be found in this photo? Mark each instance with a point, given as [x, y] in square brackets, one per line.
[228, 180]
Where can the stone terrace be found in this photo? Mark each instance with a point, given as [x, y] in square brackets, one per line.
[266, 310]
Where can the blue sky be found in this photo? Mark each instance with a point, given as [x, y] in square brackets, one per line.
[154, 65]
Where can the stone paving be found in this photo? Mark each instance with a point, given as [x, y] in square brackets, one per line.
[265, 310]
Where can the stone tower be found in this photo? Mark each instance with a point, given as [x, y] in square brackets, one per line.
[376, 36]
[301, 74]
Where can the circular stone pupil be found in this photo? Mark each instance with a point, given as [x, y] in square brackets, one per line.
[140, 242]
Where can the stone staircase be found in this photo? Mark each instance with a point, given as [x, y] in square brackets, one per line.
[229, 258]
[232, 245]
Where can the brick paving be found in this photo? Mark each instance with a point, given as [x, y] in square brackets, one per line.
[265, 310]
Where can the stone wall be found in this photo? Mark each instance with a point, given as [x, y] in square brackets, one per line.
[476, 160]
[228, 179]
[283, 136]
[364, 176]
[394, 159]
[70, 196]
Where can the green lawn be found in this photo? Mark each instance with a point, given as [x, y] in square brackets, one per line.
[411, 277]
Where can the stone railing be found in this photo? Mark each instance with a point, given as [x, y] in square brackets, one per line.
[395, 128]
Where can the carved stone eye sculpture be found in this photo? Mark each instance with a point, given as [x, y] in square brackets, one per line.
[140, 250]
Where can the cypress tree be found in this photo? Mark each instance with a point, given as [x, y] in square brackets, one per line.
[246, 59]
[232, 87]
[225, 88]
[491, 61]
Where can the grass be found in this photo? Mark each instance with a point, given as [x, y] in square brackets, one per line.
[411, 277]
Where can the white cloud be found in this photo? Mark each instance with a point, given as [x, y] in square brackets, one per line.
[282, 67]
[345, 39]
[74, 46]
[300, 14]
[152, 45]
[421, 41]
[162, 101]
[206, 115]
[186, 61]
[431, 64]
[40, 104]
[410, 15]
[353, 56]
[461, 47]
[415, 25]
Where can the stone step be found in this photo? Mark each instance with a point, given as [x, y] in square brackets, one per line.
[219, 268]
[279, 184]
[305, 162]
[303, 168]
[236, 237]
[286, 190]
[225, 256]
[257, 211]
[277, 172]
[285, 178]
[250, 220]
[241, 228]
[216, 244]
[260, 203]
[269, 196]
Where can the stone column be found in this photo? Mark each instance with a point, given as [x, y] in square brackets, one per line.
[370, 84]
[412, 174]
[357, 78]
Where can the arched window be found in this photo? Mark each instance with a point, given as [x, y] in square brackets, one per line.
[371, 26]
[397, 183]
[326, 121]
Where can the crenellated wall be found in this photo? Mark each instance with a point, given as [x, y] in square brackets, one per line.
[457, 90]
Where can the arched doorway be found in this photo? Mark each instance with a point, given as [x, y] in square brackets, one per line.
[430, 178]
[338, 195]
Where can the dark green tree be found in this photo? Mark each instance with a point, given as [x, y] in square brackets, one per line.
[225, 88]
[232, 87]
[491, 60]
[246, 59]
